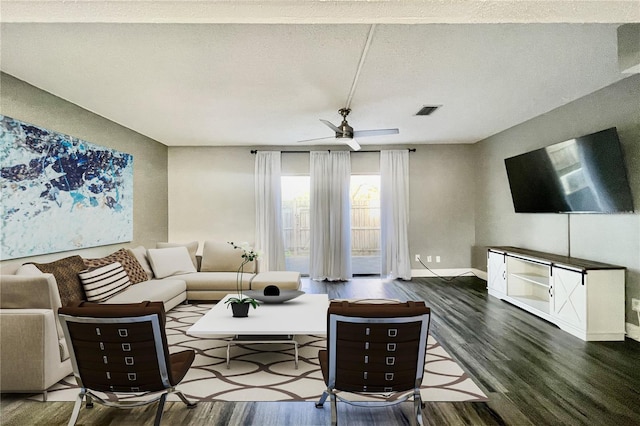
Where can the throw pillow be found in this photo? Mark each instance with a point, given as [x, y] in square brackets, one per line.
[192, 248]
[218, 256]
[66, 273]
[140, 253]
[127, 260]
[104, 282]
[170, 261]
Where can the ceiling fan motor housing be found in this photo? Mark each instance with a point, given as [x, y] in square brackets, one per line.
[347, 131]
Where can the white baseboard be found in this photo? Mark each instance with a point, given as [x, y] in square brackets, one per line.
[454, 272]
[633, 331]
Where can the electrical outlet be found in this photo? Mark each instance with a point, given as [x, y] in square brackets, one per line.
[635, 305]
[429, 259]
[417, 258]
[437, 259]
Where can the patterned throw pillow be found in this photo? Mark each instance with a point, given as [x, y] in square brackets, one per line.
[104, 282]
[128, 261]
[140, 253]
[66, 273]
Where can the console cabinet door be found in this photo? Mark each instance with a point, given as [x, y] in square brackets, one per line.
[497, 272]
[569, 301]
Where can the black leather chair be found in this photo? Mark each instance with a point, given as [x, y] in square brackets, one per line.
[122, 349]
[375, 349]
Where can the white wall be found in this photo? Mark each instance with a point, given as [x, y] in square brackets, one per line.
[606, 238]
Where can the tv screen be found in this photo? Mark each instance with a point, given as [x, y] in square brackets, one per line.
[582, 175]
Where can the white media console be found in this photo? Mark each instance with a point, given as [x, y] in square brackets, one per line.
[582, 297]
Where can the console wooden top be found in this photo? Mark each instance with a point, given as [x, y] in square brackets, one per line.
[573, 262]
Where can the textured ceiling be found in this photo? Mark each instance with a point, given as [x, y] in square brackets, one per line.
[254, 84]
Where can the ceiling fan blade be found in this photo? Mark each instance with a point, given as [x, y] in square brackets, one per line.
[377, 132]
[352, 143]
[334, 128]
[318, 139]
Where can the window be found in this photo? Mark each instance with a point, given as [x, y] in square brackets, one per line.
[365, 223]
[295, 222]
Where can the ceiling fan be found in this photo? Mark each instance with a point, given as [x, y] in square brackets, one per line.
[346, 134]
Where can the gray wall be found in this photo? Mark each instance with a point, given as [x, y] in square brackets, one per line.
[24, 102]
[607, 238]
[460, 200]
[211, 195]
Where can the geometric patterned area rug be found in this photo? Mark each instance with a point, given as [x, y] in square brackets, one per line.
[266, 371]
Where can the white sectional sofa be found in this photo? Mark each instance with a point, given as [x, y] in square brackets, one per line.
[33, 353]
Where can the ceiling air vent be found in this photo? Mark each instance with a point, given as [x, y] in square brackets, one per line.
[428, 109]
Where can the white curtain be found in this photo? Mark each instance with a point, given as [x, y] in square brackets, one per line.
[394, 214]
[330, 246]
[269, 238]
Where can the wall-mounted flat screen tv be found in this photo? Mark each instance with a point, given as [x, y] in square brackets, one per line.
[581, 175]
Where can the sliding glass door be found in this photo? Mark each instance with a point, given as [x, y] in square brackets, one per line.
[365, 223]
[295, 222]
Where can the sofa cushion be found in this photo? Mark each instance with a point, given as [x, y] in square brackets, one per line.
[64, 349]
[140, 253]
[216, 281]
[66, 272]
[153, 290]
[218, 256]
[127, 260]
[104, 282]
[28, 269]
[192, 248]
[170, 261]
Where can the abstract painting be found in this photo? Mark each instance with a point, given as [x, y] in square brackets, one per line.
[60, 193]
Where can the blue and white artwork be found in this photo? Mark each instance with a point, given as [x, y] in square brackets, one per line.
[60, 193]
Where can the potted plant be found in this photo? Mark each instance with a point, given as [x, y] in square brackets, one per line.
[240, 304]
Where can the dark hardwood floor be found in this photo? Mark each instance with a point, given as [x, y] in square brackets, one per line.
[532, 372]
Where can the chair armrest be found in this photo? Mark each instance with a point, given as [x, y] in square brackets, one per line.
[29, 291]
[30, 350]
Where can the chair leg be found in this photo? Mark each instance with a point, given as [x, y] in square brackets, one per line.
[334, 410]
[417, 406]
[188, 403]
[160, 409]
[89, 401]
[76, 408]
[323, 398]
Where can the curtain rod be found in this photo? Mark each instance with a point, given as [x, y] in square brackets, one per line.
[255, 151]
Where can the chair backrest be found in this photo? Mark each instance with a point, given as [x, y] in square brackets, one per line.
[118, 347]
[375, 347]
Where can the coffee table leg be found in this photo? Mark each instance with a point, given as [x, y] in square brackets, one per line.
[290, 339]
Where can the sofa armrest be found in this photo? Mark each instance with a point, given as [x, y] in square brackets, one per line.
[29, 291]
[30, 350]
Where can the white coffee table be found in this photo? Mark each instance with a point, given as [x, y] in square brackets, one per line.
[269, 323]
